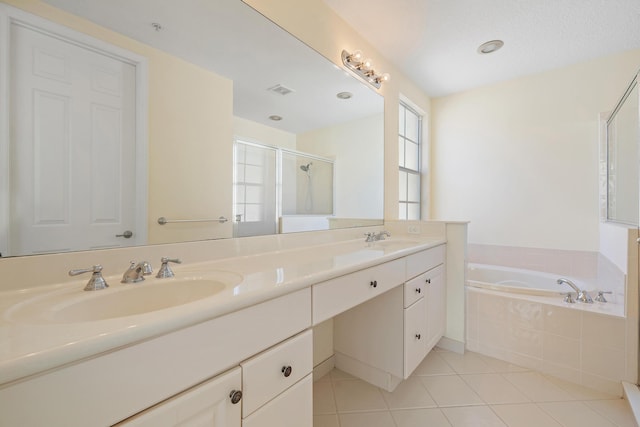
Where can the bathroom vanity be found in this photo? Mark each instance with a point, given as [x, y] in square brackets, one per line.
[242, 356]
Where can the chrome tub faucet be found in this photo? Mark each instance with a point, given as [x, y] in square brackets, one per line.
[583, 296]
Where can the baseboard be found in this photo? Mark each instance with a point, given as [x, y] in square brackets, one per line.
[358, 369]
[632, 394]
[323, 368]
[451, 345]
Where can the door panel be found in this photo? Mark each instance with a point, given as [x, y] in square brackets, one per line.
[72, 147]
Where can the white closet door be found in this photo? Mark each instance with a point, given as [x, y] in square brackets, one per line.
[72, 146]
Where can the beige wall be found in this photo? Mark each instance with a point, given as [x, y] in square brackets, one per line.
[313, 22]
[189, 134]
[519, 159]
[348, 143]
[249, 131]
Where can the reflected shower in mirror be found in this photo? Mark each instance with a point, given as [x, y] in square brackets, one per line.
[203, 75]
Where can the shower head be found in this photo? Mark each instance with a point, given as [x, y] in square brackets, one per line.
[306, 167]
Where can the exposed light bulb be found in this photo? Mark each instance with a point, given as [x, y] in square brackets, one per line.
[356, 56]
[367, 64]
[385, 77]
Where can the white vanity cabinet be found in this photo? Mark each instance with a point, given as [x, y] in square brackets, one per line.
[215, 403]
[383, 340]
[117, 385]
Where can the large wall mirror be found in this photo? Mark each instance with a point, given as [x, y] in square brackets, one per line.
[204, 114]
[622, 176]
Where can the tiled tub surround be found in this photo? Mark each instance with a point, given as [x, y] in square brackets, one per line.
[27, 350]
[593, 345]
[567, 342]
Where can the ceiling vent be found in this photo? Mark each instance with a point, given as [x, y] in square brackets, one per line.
[282, 90]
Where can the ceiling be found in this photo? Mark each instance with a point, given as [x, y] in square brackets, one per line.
[435, 41]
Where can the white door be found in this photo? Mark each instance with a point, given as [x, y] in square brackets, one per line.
[72, 146]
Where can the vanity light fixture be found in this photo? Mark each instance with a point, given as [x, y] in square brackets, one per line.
[490, 46]
[363, 68]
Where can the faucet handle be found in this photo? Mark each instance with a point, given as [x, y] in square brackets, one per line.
[96, 282]
[569, 298]
[165, 271]
[600, 297]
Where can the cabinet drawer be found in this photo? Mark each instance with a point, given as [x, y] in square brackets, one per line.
[293, 408]
[200, 404]
[342, 293]
[422, 261]
[415, 289]
[273, 371]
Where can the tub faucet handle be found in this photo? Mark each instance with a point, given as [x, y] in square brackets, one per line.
[600, 297]
[569, 299]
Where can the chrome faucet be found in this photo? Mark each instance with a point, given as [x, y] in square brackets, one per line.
[583, 296]
[374, 237]
[380, 235]
[136, 272]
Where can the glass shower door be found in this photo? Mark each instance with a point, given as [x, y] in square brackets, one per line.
[255, 190]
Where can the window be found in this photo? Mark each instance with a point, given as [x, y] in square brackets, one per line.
[254, 189]
[409, 141]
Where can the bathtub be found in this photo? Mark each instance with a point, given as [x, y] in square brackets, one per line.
[519, 316]
[519, 281]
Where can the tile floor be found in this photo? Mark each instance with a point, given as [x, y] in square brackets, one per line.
[453, 390]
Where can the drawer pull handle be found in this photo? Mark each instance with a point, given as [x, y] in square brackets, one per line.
[418, 336]
[418, 290]
[235, 396]
[428, 280]
[286, 371]
[374, 283]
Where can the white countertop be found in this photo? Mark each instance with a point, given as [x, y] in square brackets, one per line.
[31, 348]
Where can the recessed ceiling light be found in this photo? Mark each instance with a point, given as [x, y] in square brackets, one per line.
[275, 118]
[490, 46]
[345, 95]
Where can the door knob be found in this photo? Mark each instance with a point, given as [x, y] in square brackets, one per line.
[127, 234]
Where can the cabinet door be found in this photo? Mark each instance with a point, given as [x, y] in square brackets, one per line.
[205, 405]
[415, 336]
[436, 306]
[292, 408]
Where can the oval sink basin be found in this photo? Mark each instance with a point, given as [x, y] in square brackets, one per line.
[122, 300]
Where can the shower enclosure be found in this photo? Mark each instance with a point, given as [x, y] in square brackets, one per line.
[280, 190]
[307, 184]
